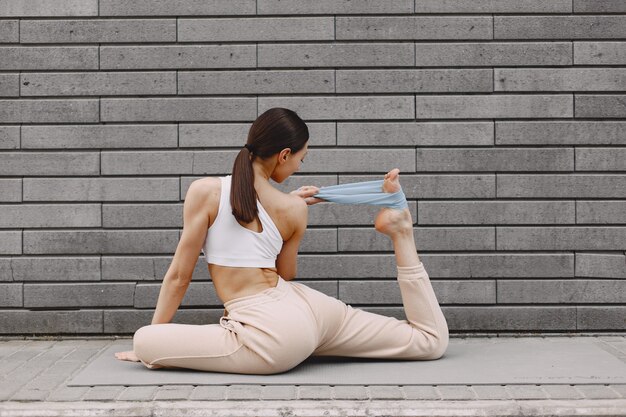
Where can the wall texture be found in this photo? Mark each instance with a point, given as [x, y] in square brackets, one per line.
[507, 119]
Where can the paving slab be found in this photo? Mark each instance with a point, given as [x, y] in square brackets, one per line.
[36, 374]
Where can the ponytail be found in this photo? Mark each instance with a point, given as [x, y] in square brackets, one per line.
[243, 196]
[274, 130]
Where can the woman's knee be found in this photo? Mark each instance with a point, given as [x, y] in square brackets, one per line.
[431, 346]
[144, 343]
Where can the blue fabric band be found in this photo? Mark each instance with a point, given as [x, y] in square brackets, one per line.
[368, 192]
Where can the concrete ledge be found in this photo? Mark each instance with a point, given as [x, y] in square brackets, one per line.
[327, 408]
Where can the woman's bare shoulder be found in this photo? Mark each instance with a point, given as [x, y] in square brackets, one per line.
[208, 190]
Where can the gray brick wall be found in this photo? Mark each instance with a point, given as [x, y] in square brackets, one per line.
[507, 119]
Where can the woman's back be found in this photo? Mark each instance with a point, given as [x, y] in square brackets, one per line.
[231, 278]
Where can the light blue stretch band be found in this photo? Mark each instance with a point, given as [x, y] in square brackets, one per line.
[368, 192]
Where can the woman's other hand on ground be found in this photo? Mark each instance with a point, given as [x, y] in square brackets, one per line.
[307, 192]
[127, 356]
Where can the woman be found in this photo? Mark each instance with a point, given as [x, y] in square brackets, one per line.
[271, 323]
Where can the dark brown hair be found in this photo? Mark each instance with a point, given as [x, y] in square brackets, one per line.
[273, 131]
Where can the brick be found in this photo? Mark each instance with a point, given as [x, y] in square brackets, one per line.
[9, 139]
[344, 107]
[495, 159]
[605, 106]
[173, 392]
[120, 321]
[207, 392]
[98, 83]
[421, 392]
[78, 295]
[560, 238]
[350, 392]
[526, 392]
[388, 292]
[6, 271]
[49, 163]
[50, 215]
[335, 55]
[560, 79]
[98, 30]
[100, 241]
[600, 265]
[599, 6]
[177, 109]
[103, 393]
[233, 134]
[45, 111]
[600, 159]
[561, 291]
[9, 85]
[414, 27]
[9, 31]
[65, 393]
[10, 242]
[177, 57]
[256, 29]
[562, 186]
[145, 268]
[243, 392]
[48, 57]
[601, 318]
[11, 295]
[148, 162]
[359, 160]
[138, 393]
[319, 240]
[346, 214]
[491, 392]
[333, 7]
[50, 322]
[431, 238]
[590, 391]
[142, 215]
[49, 8]
[496, 212]
[99, 136]
[496, 318]
[558, 392]
[560, 133]
[489, 54]
[456, 392]
[175, 8]
[256, 82]
[487, 6]
[101, 189]
[558, 27]
[199, 295]
[279, 392]
[346, 266]
[599, 53]
[385, 392]
[404, 81]
[178, 162]
[415, 134]
[314, 392]
[494, 106]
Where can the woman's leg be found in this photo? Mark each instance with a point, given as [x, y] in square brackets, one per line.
[424, 335]
[265, 333]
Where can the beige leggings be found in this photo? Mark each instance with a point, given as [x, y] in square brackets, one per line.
[276, 329]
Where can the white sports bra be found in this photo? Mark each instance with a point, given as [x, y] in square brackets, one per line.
[230, 244]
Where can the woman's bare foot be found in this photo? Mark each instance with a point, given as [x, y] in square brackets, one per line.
[391, 221]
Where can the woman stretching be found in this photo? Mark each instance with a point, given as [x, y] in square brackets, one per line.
[270, 323]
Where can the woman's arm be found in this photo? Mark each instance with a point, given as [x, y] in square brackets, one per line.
[287, 262]
[178, 276]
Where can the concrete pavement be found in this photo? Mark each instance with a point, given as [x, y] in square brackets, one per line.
[34, 373]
